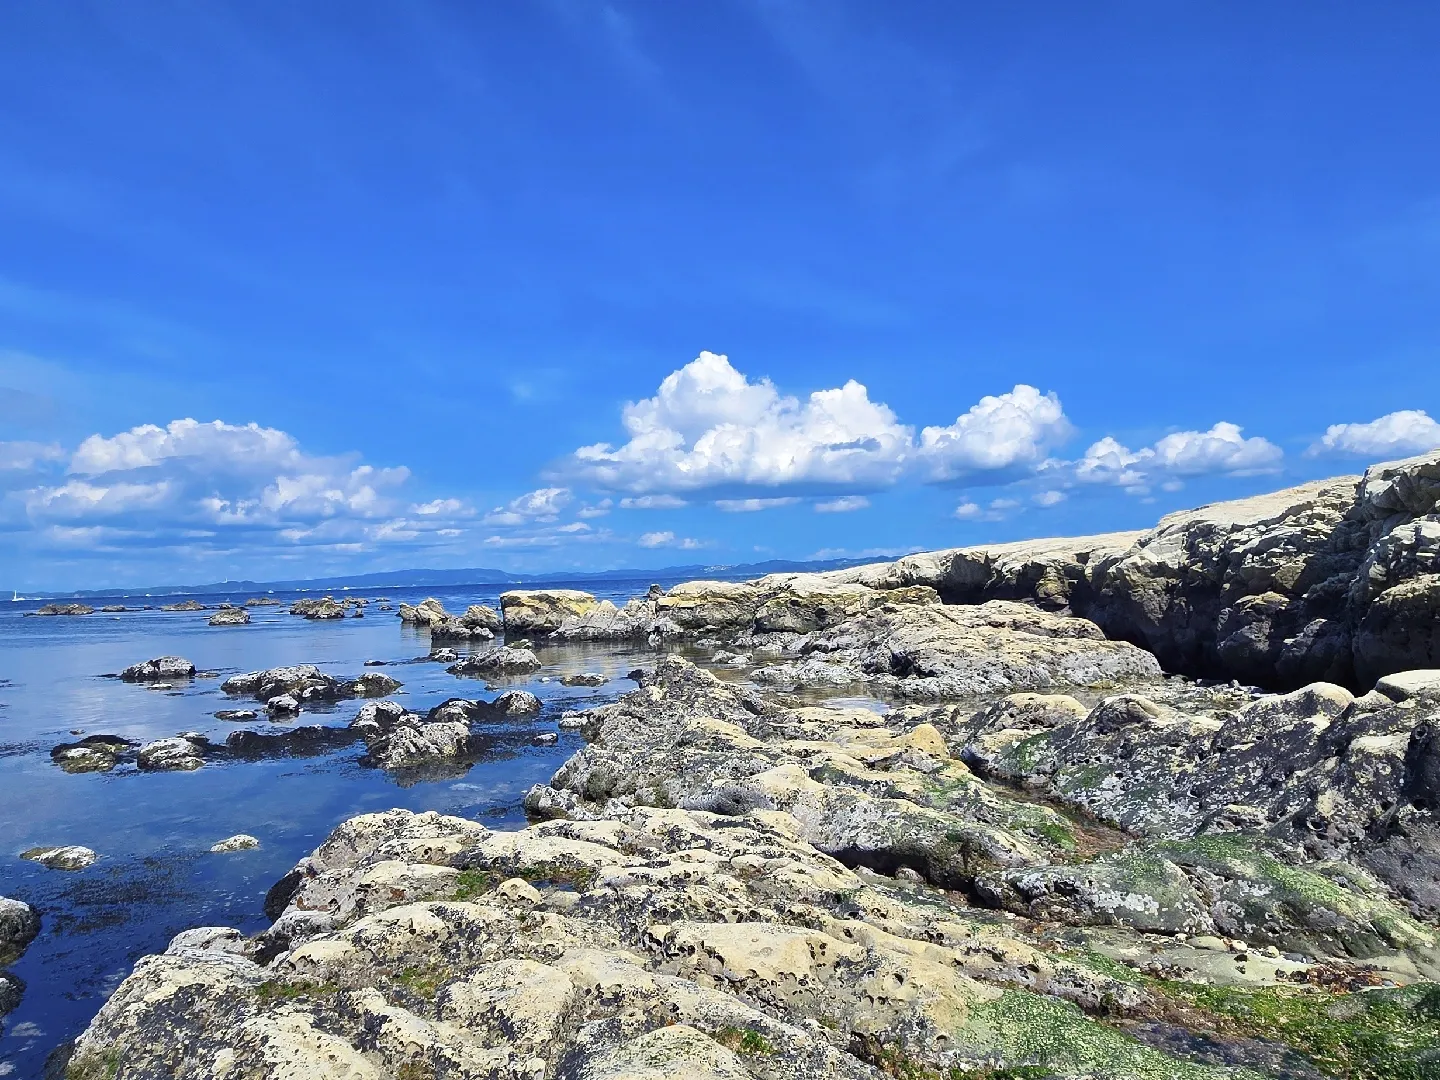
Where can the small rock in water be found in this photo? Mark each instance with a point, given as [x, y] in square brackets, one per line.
[170, 755]
[162, 667]
[230, 616]
[237, 716]
[238, 842]
[571, 721]
[282, 705]
[546, 738]
[444, 656]
[19, 923]
[516, 703]
[585, 678]
[376, 663]
[68, 857]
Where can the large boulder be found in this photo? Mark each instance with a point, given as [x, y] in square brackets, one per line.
[19, 923]
[162, 668]
[397, 739]
[426, 613]
[541, 611]
[319, 608]
[502, 661]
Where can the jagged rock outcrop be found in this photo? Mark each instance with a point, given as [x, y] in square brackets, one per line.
[63, 609]
[319, 608]
[1335, 580]
[94, 753]
[921, 650]
[425, 613]
[19, 923]
[184, 605]
[305, 683]
[541, 611]
[162, 668]
[662, 943]
[230, 616]
[498, 662]
[478, 623]
[397, 739]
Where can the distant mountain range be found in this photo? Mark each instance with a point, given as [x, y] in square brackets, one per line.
[415, 579]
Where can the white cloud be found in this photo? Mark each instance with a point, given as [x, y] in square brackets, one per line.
[668, 539]
[448, 507]
[996, 510]
[594, 510]
[25, 456]
[1409, 431]
[1048, 498]
[709, 427]
[239, 447]
[542, 504]
[745, 506]
[651, 502]
[843, 505]
[1221, 450]
[1004, 431]
[217, 488]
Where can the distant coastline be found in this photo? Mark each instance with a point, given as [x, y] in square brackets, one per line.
[421, 578]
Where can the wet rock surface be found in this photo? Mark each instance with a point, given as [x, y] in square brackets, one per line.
[303, 683]
[230, 616]
[159, 669]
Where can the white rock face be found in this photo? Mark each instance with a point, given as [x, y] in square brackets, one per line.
[69, 857]
[238, 842]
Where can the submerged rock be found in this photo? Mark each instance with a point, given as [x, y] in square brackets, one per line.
[162, 667]
[94, 753]
[67, 857]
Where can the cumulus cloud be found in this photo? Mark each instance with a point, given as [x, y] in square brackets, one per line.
[1000, 432]
[214, 486]
[1409, 431]
[1048, 498]
[996, 510]
[843, 505]
[712, 432]
[1221, 450]
[667, 539]
[540, 505]
[709, 428]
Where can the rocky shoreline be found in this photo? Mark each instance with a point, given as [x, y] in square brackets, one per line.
[1037, 846]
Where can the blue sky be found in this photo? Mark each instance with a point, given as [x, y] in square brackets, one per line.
[291, 289]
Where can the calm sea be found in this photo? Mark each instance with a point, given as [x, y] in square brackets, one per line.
[155, 875]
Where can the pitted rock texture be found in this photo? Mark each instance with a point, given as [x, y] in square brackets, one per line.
[659, 943]
[541, 611]
[302, 683]
[934, 651]
[159, 669]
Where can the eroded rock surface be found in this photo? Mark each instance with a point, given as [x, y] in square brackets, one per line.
[161, 668]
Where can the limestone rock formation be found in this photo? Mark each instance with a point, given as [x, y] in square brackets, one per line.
[230, 616]
[541, 611]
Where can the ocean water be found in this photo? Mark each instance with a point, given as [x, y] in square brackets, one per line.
[155, 875]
